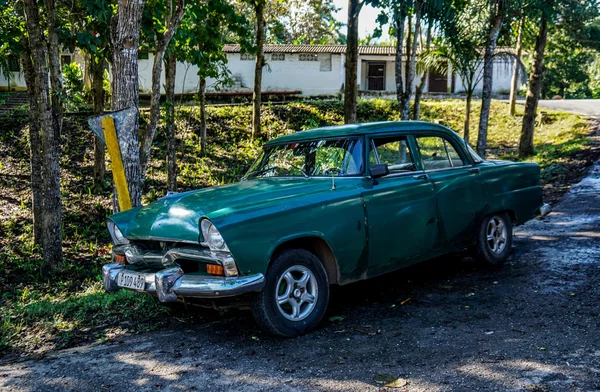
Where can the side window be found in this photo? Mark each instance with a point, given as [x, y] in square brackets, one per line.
[394, 152]
[438, 153]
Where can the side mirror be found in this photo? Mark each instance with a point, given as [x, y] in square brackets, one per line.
[379, 170]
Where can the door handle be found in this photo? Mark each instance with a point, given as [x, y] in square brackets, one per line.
[421, 177]
[475, 170]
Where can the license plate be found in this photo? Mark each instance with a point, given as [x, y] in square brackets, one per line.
[131, 280]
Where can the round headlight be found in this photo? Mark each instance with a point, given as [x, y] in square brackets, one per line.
[119, 235]
[116, 234]
[212, 237]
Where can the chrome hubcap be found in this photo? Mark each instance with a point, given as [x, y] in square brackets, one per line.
[297, 293]
[496, 234]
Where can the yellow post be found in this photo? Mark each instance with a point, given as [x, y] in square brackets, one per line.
[112, 145]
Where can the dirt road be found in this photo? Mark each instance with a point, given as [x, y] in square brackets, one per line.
[446, 325]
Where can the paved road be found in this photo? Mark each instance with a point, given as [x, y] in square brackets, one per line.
[589, 107]
[531, 326]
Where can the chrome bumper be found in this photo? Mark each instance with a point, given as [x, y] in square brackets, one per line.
[545, 209]
[168, 284]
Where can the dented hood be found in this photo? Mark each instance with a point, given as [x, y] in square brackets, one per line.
[176, 217]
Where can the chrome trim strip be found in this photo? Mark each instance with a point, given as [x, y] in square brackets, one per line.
[449, 168]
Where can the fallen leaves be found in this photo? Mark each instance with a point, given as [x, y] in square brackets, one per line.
[389, 381]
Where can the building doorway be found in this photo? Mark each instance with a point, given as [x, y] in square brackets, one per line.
[376, 75]
[438, 82]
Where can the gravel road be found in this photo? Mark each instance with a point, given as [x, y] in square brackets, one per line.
[445, 325]
[588, 107]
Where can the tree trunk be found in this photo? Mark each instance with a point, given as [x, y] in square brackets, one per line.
[52, 202]
[399, 17]
[35, 143]
[54, 65]
[170, 74]
[466, 128]
[351, 65]
[515, 76]
[157, 67]
[259, 9]
[125, 34]
[202, 95]
[416, 109]
[536, 78]
[413, 40]
[96, 71]
[488, 73]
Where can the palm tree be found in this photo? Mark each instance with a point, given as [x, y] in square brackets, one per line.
[467, 62]
[466, 59]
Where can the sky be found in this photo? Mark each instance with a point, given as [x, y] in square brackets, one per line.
[367, 19]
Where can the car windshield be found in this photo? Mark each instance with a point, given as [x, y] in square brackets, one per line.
[326, 157]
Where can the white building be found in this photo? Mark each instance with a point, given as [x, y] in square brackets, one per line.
[308, 70]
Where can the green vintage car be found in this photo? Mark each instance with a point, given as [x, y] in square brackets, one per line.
[327, 206]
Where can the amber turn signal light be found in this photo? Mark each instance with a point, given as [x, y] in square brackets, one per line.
[120, 259]
[214, 269]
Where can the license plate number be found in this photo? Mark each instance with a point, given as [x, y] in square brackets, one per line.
[131, 281]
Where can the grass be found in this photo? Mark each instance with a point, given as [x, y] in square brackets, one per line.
[43, 311]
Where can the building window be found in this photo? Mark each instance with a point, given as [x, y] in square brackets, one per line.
[247, 56]
[325, 60]
[143, 56]
[65, 59]
[13, 64]
[278, 56]
[308, 57]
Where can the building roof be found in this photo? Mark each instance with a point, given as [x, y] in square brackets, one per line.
[334, 49]
[362, 129]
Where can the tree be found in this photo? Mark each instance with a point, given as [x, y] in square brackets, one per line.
[170, 74]
[466, 61]
[125, 33]
[311, 22]
[259, 9]
[514, 84]
[407, 17]
[497, 13]
[571, 15]
[89, 30]
[161, 43]
[47, 124]
[296, 21]
[416, 108]
[350, 85]
[564, 61]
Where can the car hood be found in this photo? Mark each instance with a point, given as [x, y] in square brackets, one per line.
[176, 217]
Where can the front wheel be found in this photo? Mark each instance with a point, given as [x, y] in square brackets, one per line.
[295, 296]
[494, 240]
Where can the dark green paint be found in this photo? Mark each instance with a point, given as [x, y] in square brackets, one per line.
[371, 226]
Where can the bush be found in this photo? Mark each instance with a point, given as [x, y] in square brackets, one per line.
[73, 86]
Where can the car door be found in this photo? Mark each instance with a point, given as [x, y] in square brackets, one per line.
[459, 191]
[400, 207]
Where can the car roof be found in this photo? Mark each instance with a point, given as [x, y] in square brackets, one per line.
[361, 129]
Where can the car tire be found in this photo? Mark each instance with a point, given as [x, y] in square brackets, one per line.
[494, 240]
[295, 296]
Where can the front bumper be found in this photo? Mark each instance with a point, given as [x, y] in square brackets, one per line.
[168, 284]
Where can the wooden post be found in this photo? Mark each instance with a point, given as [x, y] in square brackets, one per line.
[112, 145]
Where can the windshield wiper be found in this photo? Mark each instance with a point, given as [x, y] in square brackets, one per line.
[260, 171]
[300, 170]
[268, 169]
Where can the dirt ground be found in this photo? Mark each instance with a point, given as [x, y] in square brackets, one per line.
[445, 325]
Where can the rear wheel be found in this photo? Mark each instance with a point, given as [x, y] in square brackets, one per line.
[494, 240]
[295, 296]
